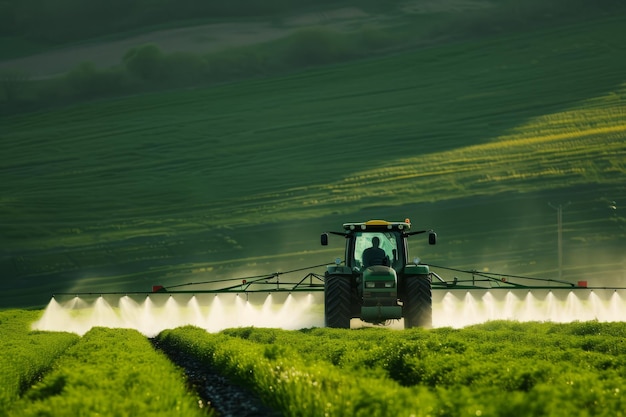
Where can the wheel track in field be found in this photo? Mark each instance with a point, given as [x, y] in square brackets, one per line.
[226, 397]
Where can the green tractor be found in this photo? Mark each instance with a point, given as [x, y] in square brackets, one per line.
[377, 283]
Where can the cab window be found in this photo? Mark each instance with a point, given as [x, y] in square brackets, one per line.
[388, 243]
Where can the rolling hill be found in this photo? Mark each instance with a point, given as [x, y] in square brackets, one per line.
[473, 138]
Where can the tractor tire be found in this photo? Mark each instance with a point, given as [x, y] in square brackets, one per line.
[418, 302]
[337, 301]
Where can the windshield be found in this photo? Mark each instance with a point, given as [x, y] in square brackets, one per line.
[388, 242]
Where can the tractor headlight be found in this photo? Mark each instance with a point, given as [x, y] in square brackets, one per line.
[379, 284]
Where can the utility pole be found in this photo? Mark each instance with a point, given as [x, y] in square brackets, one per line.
[559, 229]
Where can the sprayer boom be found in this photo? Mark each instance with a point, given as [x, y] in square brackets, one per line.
[314, 282]
[377, 282]
[252, 284]
[274, 301]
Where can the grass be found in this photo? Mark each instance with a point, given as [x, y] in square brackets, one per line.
[498, 368]
[26, 355]
[494, 369]
[114, 372]
[472, 138]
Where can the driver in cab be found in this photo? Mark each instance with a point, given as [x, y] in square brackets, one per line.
[375, 255]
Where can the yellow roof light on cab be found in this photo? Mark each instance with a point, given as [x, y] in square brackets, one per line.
[377, 223]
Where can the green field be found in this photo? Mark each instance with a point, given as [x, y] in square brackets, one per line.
[492, 369]
[473, 138]
[111, 372]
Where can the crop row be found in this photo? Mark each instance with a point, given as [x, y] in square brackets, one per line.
[25, 355]
[496, 369]
[112, 372]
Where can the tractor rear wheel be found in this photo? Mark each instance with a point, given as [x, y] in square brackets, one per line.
[418, 302]
[337, 301]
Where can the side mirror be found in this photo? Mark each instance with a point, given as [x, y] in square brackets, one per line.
[324, 239]
[432, 238]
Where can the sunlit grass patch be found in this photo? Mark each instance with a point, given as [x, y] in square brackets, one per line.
[112, 372]
[582, 145]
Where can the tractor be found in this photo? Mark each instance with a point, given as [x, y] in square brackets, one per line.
[377, 282]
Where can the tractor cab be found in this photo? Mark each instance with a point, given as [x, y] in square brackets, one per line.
[377, 283]
[391, 243]
[392, 238]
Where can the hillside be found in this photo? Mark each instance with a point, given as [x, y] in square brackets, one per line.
[471, 138]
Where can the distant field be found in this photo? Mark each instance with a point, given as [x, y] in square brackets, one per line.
[473, 139]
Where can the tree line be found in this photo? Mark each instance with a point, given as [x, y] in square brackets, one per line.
[58, 21]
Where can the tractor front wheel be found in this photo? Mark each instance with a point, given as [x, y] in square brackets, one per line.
[418, 302]
[337, 301]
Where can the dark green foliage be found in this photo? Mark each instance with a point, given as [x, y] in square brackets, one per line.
[151, 69]
[148, 68]
[149, 65]
[144, 62]
[494, 369]
[53, 386]
[87, 81]
[12, 84]
[26, 354]
[58, 21]
[55, 21]
[373, 38]
[113, 372]
[315, 46]
[237, 63]
[183, 68]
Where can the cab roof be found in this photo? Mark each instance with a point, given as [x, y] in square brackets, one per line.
[378, 225]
